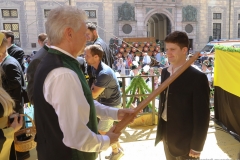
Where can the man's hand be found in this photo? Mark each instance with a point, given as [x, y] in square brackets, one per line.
[194, 154]
[113, 136]
[124, 112]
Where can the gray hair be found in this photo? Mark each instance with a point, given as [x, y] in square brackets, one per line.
[60, 18]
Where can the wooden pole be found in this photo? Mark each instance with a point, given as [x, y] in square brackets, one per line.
[128, 118]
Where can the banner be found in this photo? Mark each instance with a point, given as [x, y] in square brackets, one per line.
[227, 87]
[227, 69]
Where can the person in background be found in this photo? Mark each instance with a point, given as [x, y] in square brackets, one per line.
[208, 73]
[11, 77]
[13, 50]
[162, 61]
[184, 105]
[37, 58]
[121, 67]
[106, 90]
[92, 36]
[193, 65]
[146, 59]
[7, 129]
[158, 56]
[204, 57]
[41, 39]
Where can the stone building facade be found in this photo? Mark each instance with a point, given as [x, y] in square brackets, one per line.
[200, 19]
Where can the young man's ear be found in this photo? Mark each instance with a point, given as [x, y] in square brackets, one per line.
[185, 50]
[95, 32]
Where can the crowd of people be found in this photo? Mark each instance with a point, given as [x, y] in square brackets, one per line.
[74, 117]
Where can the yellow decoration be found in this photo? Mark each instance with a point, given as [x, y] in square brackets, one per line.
[1, 37]
[227, 71]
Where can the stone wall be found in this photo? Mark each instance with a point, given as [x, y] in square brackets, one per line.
[31, 18]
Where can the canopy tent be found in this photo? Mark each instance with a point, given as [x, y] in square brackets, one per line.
[227, 87]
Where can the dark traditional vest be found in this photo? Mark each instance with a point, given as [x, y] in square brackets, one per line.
[49, 135]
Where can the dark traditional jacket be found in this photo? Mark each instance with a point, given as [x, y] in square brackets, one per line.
[187, 113]
[18, 54]
[32, 69]
[13, 81]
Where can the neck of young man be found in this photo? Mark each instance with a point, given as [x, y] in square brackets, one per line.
[174, 66]
[95, 38]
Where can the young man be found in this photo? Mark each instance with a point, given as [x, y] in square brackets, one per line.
[184, 105]
[106, 89]
[65, 112]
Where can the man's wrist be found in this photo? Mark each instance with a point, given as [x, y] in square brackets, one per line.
[196, 151]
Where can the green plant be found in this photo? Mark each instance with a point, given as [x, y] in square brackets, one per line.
[137, 86]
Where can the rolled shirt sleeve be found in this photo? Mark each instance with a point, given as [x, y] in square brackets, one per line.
[63, 90]
[106, 112]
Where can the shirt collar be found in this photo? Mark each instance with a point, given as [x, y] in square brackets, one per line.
[171, 71]
[63, 51]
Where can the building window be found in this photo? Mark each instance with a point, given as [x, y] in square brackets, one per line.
[91, 13]
[9, 13]
[14, 27]
[217, 15]
[46, 12]
[216, 30]
[238, 30]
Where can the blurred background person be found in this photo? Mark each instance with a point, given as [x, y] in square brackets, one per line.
[13, 50]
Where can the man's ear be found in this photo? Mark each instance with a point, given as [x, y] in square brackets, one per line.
[185, 50]
[68, 33]
[95, 32]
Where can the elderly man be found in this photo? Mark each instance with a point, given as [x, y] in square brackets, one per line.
[65, 112]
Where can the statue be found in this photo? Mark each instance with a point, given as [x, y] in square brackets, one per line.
[189, 14]
[126, 12]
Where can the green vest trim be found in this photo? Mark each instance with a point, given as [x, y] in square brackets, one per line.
[73, 64]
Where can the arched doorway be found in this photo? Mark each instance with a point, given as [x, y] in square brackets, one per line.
[159, 26]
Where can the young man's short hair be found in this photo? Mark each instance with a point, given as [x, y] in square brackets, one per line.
[95, 50]
[91, 26]
[8, 34]
[179, 38]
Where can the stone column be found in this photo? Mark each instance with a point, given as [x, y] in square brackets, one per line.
[108, 19]
[31, 26]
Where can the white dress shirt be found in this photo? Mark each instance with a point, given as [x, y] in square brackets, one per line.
[171, 71]
[63, 90]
